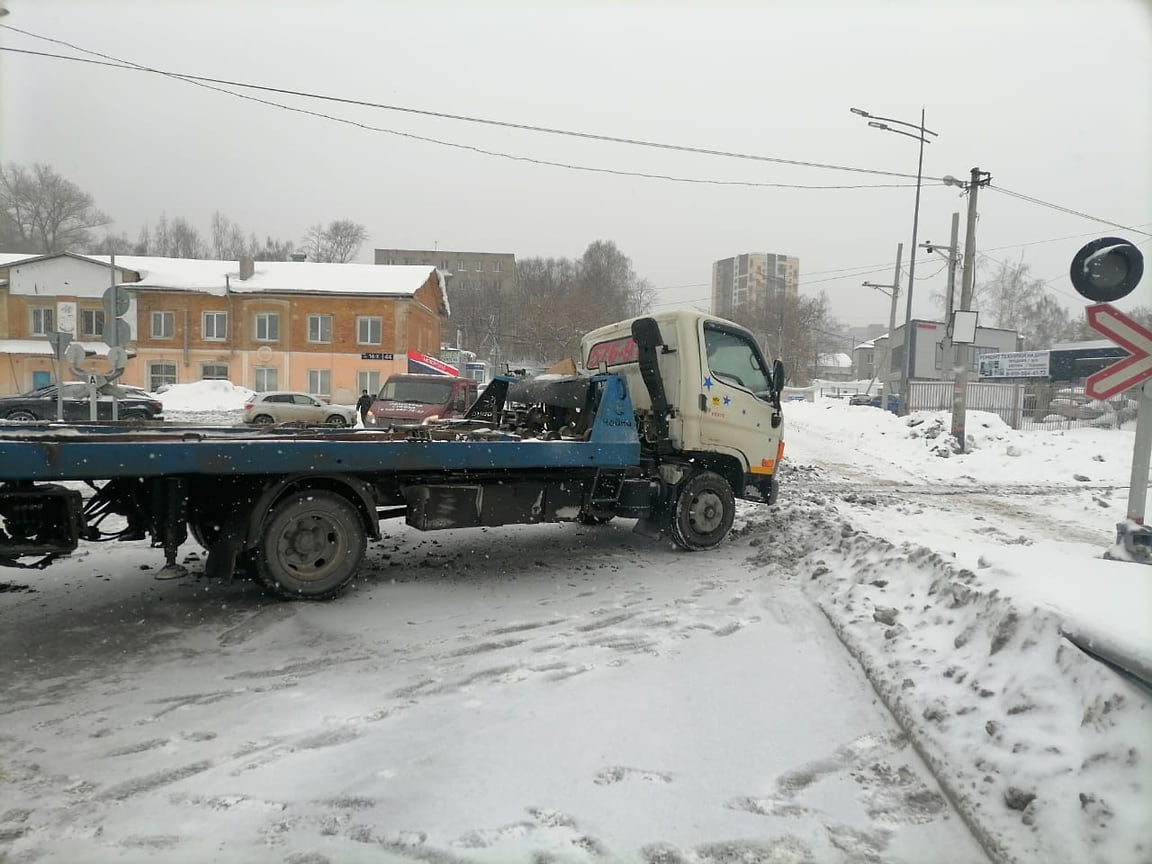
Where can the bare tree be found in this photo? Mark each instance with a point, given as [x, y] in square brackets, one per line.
[228, 241]
[273, 249]
[114, 244]
[44, 212]
[338, 242]
[791, 327]
[553, 302]
[1013, 299]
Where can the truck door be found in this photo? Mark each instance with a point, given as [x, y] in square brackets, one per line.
[735, 402]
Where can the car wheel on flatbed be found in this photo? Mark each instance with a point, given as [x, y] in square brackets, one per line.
[21, 415]
[262, 420]
[311, 546]
[335, 420]
[702, 512]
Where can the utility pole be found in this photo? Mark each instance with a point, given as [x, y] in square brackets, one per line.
[946, 350]
[960, 388]
[884, 364]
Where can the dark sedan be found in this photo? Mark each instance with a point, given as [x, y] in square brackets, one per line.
[40, 404]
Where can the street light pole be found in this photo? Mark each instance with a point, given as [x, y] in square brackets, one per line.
[882, 123]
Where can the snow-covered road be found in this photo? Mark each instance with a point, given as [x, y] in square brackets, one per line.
[571, 694]
[580, 693]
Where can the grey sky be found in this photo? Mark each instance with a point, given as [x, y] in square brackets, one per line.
[1053, 98]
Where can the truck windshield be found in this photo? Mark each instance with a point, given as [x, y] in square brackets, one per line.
[426, 392]
[733, 359]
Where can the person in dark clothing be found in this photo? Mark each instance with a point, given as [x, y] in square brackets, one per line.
[362, 405]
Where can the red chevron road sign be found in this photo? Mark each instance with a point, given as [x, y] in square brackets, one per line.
[1130, 335]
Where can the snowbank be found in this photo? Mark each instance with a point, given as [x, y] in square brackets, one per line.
[205, 396]
[922, 445]
[1041, 748]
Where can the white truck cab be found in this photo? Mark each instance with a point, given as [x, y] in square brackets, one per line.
[722, 410]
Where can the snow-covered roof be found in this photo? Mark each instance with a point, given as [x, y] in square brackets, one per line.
[838, 360]
[1091, 345]
[214, 277]
[7, 258]
[868, 344]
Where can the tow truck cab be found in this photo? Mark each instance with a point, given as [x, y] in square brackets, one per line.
[721, 398]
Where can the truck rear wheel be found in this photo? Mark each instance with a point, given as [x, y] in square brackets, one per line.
[312, 545]
[703, 511]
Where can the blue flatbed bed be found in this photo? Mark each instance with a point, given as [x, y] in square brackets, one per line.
[55, 452]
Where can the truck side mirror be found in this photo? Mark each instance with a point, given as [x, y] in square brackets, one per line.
[778, 375]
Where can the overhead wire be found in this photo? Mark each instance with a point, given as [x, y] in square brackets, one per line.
[1062, 209]
[220, 85]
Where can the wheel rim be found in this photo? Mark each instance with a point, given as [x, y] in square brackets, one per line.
[262, 420]
[310, 545]
[21, 415]
[702, 512]
[706, 512]
[336, 420]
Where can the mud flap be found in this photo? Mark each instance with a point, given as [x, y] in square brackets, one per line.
[651, 527]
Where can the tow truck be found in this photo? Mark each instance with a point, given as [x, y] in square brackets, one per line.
[670, 418]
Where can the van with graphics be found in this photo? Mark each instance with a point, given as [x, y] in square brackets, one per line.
[407, 399]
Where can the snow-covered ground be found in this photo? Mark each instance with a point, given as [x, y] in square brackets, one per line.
[874, 670]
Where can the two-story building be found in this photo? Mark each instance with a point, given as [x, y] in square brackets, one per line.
[328, 329]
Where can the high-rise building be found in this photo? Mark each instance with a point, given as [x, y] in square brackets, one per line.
[751, 279]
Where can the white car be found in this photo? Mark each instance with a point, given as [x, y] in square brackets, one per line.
[282, 406]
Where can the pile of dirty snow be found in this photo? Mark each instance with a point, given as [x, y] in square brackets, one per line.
[205, 396]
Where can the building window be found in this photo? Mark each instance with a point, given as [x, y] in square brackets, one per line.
[320, 381]
[267, 326]
[266, 378]
[160, 374]
[460, 265]
[443, 263]
[497, 266]
[42, 320]
[320, 328]
[479, 267]
[163, 325]
[368, 330]
[92, 322]
[215, 326]
[214, 372]
[369, 381]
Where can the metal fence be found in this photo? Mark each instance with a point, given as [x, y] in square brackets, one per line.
[1005, 400]
[1040, 405]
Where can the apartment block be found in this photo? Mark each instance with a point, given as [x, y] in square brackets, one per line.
[751, 279]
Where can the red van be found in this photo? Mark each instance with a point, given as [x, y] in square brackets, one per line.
[410, 399]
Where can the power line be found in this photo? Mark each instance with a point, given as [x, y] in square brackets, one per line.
[1061, 209]
[117, 62]
[1055, 240]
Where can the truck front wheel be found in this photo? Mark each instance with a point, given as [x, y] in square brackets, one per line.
[311, 547]
[703, 511]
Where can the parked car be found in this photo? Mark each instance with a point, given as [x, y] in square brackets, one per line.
[284, 406]
[863, 399]
[410, 399]
[40, 404]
